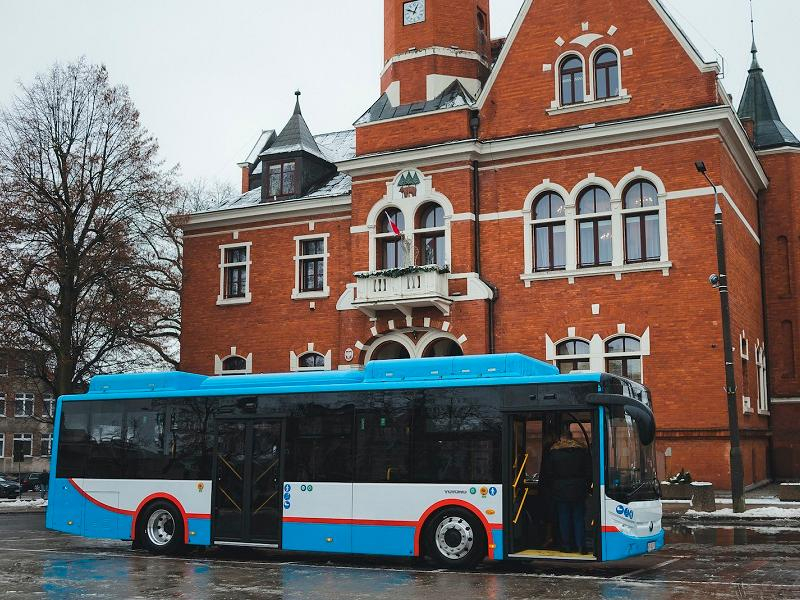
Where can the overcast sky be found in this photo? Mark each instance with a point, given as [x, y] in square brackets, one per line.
[208, 75]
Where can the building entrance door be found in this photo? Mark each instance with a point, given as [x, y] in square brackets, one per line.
[248, 479]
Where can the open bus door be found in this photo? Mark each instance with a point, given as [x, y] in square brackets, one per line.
[540, 522]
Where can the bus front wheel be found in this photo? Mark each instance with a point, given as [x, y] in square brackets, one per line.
[455, 539]
[159, 528]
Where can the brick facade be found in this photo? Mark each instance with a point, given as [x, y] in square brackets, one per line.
[495, 300]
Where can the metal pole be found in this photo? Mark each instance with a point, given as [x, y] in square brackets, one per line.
[737, 471]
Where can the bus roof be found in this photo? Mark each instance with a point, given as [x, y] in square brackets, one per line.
[461, 371]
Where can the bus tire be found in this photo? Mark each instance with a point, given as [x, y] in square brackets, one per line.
[159, 528]
[455, 539]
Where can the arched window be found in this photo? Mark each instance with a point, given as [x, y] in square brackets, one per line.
[572, 80]
[624, 357]
[390, 350]
[431, 234]
[442, 347]
[642, 230]
[572, 355]
[389, 239]
[606, 74]
[234, 365]
[549, 233]
[594, 227]
[311, 361]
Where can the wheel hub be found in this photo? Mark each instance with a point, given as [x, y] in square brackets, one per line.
[454, 538]
[160, 527]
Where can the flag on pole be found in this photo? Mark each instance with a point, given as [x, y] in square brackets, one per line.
[393, 225]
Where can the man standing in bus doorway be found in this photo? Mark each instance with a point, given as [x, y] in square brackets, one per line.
[567, 473]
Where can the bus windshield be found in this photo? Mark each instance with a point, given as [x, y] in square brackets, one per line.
[631, 470]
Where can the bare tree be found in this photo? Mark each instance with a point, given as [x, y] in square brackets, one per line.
[160, 232]
[77, 173]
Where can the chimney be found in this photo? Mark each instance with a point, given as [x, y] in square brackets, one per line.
[245, 178]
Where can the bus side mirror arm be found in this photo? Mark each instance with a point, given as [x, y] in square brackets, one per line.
[645, 420]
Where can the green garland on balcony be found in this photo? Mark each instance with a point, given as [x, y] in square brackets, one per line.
[399, 272]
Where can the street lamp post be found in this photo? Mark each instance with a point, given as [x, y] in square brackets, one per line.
[737, 471]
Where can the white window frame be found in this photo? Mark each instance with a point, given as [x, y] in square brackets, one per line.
[408, 206]
[589, 101]
[761, 377]
[325, 292]
[247, 298]
[618, 266]
[2, 406]
[219, 361]
[294, 359]
[597, 348]
[25, 397]
[418, 232]
[572, 357]
[48, 437]
[48, 406]
[612, 355]
[23, 437]
[2, 445]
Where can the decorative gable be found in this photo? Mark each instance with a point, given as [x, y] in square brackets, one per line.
[548, 71]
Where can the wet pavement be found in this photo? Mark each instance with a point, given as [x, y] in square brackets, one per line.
[698, 562]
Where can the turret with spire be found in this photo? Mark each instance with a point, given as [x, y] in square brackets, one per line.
[758, 106]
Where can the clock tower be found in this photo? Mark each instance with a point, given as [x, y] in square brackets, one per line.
[430, 43]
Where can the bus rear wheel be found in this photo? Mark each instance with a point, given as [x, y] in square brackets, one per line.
[159, 528]
[455, 539]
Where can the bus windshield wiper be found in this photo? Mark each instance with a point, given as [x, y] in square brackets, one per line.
[641, 485]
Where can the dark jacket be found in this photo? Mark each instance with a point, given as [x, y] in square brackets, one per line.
[567, 472]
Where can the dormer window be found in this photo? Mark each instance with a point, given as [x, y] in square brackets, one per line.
[572, 80]
[281, 179]
[606, 74]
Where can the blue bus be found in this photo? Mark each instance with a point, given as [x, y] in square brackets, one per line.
[441, 457]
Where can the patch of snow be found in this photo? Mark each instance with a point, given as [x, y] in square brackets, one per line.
[701, 483]
[338, 145]
[772, 500]
[19, 504]
[259, 146]
[790, 484]
[765, 512]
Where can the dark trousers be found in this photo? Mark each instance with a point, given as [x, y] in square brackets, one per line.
[571, 524]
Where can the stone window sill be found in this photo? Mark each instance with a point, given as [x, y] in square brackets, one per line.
[323, 293]
[246, 299]
[616, 270]
[623, 98]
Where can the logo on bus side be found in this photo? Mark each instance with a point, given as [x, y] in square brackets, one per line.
[624, 512]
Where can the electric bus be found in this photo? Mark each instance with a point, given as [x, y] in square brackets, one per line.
[439, 457]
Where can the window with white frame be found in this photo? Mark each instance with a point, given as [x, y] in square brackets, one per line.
[23, 405]
[46, 448]
[606, 74]
[48, 406]
[761, 376]
[594, 227]
[624, 357]
[430, 235]
[642, 227]
[311, 266]
[2, 405]
[23, 442]
[573, 355]
[234, 365]
[234, 273]
[2, 445]
[549, 232]
[389, 239]
[572, 79]
[311, 361]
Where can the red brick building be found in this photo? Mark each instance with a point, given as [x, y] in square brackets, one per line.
[536, 194]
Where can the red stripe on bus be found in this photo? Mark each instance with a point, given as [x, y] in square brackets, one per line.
[135, 513]
[610, 529]
[327, 521]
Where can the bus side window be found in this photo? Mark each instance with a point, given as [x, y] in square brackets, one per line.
[383, 438]
[73, 444]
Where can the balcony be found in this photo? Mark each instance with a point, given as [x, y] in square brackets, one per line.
[403, 291]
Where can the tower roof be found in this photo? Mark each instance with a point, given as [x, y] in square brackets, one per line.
[757, 105]
[295, 136]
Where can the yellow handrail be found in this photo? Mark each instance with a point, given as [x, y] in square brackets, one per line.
[521, 470]
[521, 504]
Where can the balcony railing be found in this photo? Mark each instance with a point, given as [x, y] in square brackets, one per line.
[378, 291]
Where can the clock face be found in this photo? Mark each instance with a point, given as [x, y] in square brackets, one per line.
[413, 12]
